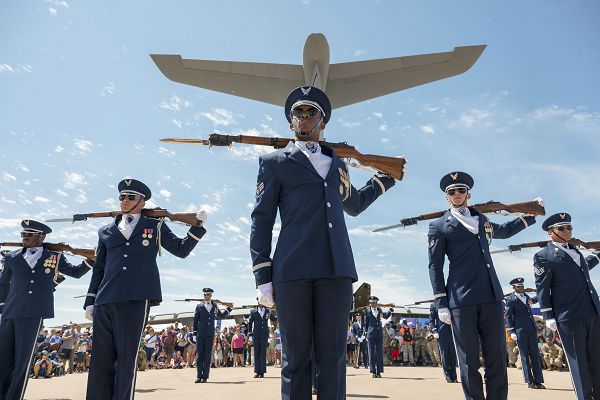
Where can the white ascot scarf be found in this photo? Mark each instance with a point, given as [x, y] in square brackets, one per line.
[574, 254]
[463, 215]
[320, 161]
[32, 255]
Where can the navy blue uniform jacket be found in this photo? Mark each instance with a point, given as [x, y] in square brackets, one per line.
[313, 242]
[518, 314]
[472, 278]
[373, 323]
[204, 321]
[565, 291]
[29, 293]
[126, 270]
[259, 326]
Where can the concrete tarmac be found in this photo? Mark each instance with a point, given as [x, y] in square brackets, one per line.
[226, 383]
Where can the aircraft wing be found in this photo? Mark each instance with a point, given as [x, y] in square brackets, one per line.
[269, 83]
[354, 82]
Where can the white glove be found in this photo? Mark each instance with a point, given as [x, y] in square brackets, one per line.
[551, 323]
[445, 316]
[513, 336]
[436, 335]
[265, 294]
[540, 201]
[201, 216]
[89, 313]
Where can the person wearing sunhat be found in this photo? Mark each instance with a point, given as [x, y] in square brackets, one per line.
[204, 328]
[311, 272]
[258, 327]
[27, 285]
[471, 299]
[125, 284]
[569, 303]
[521, 326]
[373, 329]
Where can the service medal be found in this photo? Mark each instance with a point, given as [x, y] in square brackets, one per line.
[47, 270]
[145, 242]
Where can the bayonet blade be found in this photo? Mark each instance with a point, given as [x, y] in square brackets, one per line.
[61, 220]
[386, 228]
[186, 141]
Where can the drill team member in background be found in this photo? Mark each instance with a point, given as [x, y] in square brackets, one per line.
[125, 284]
[27, 285]
[311, 273]
[471, 299]
[258, 327]
[373, 316]
[522, 329]
[569, 303]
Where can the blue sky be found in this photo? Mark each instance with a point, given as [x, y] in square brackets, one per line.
[83, 106]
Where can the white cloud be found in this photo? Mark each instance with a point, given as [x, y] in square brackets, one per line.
[40, 199]
[228, 226]
[61, 193]
[73, 180]
[360, 52]
[83, 146]
[81, 197]
[10, 222]
[349, 124]
[108, 89]
[378, 115]
[8, 177]
[427, 129]
[472, 117]
[177, 123]
[59, 149]
[220, 117]
[166, 152]
[165, 194]
[15, 69]
[175, 103]
[383, 127]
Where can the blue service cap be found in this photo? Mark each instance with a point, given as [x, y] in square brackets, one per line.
[373, 298]
[556, 220]
[133, 186]
[32, 226]
[208, 290]
[455, 180]
[308, 95]
[517, 281]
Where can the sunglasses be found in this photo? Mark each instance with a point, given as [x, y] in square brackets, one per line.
[564, 227]
[130, 197]
[450, 192]
[311, 111]
[29, 234]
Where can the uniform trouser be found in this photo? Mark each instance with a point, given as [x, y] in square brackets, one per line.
[260, 354]
[316, 308]
[483, 324]
[204, 346]
[512, 357]
[434, 352]
[376, 355]
[407, 353]
[581, 342]
[448, 353]
[361, 354]
[113, 367]
[530, 355]
[18, 338]
[421, 350]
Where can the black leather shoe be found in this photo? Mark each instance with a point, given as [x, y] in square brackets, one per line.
[198, 381]
[256, 375]
[374, 375]
[262, 376]
[379, 375]
[203, 381]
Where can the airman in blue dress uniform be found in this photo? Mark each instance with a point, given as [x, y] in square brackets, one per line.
[569, 303]
[311, 273]
[362, 351]
[204, 326]
[443, 333]
[471, 299]
[521, 326]
[27, 285]
[125, 284]
[258, 327]
[373, 316]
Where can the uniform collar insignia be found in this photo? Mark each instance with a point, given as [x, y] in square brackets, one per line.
[305, 91]
[454, 176]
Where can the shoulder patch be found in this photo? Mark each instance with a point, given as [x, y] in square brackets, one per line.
[432, 242]
[539, 270]
[260, 187]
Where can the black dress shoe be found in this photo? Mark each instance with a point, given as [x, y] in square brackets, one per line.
[256, 375]
[379, 375]
[374, 375]
[203, 380]
[262, 376]
[198, 381]
[314, 390]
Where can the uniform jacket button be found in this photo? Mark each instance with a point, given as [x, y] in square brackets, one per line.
[325, 184]
[330, 225]
[30, 292]
[124, 268]
[125, 255]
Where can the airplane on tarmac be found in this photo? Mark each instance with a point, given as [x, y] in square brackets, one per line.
[344, 83]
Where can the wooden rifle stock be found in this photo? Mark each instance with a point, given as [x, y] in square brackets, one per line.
[390, 305]
[89, 254]
[223, 303]
[392, 166]
[186, 218]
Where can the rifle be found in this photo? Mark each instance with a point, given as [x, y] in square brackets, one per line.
[575, 242]
[527, 207]
[186, 218]
[223, 303]
[390, 305]
[89, 254]
[392, 166]
[527, 290]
